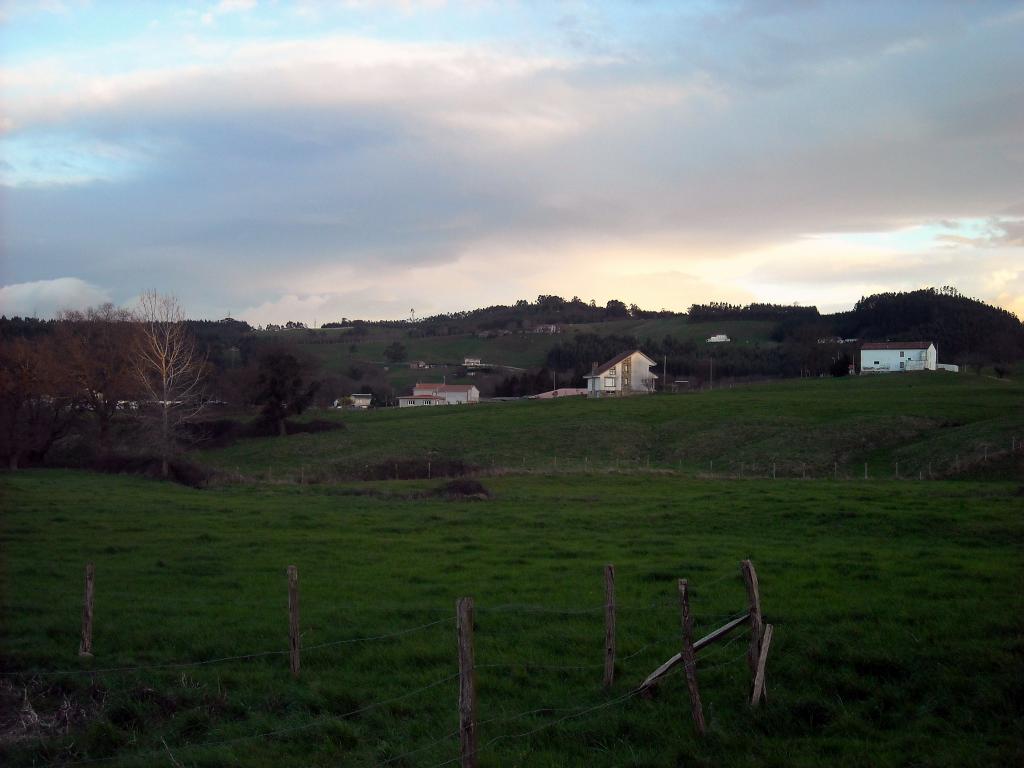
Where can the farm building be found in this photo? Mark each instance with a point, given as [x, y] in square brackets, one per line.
[626, 374]
[441, 394]
[361, 400]
[718, 338]
[561, 392]
[408, 401]
[897, 356]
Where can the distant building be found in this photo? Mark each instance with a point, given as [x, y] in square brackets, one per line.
[418, 364]
[551, 328]
[408, 401]
[361, 401]
[441, 394]
[562, 392]
[626, 374]
[471, 362]
[718, 338]
[897, 356]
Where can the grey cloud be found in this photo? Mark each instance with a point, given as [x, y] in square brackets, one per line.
[240, 191]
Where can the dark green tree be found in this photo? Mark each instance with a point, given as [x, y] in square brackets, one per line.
[395, 352]
[281, 389]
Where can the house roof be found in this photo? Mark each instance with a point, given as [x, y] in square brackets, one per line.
[444, 387]
[896, 345]
[618, 359]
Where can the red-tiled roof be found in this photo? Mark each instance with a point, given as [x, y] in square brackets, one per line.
[896, 345]
[615, 361]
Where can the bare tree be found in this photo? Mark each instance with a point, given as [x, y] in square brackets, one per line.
[169, 367]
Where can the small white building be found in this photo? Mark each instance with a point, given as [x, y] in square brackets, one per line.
[361, 400]
[471, 362]
[625, 374]
[447, 394]
[408, 401]
[897, 356]
[718, 338]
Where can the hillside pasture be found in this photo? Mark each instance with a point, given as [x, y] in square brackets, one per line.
[933, 424]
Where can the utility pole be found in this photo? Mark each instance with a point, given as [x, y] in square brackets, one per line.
[664, 375]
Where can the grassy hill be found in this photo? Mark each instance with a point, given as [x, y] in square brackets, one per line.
[332, 346]
[932, 424]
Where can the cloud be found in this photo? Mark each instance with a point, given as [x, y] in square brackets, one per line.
[45, 298]
[685, 157]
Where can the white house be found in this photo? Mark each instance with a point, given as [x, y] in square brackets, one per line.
[718, 338]
[897, 356]
[361, 400]
[471, 362]
[625, 374]
[441, 394]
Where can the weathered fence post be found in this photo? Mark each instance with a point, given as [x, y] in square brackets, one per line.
[759, 690]
[467, 682]
[609, 625]
[689, 658]
[85, 647]
[756, 625]
[293, 620]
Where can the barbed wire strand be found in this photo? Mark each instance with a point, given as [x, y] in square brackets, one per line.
[266, 734]
[220, 660]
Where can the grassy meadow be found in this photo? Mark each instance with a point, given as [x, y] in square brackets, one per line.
[896, 602]
[896, 608]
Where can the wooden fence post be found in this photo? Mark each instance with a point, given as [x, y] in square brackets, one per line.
[293, 619]
[759, 689]
[690, 658]
[756, 624]
[467, 682]
[609, 625]
[85, 647]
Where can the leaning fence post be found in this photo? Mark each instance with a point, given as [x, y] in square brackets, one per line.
[690, 658]
[754, 608]
[759, 689]
[293, 619]
[467, 682]
[609, 625]
[85, 647]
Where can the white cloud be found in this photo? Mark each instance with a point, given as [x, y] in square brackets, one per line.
[45, 298]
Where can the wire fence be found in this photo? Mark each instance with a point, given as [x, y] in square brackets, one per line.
[712, 659]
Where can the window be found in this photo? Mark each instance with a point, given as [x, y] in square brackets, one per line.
[901, 353]
[609, 383]
[611, 371]
[903, 365]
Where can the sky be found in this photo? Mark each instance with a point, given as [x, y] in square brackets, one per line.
[319, 159]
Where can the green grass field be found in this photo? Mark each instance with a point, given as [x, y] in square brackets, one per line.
[932, 424]
[896, 608]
